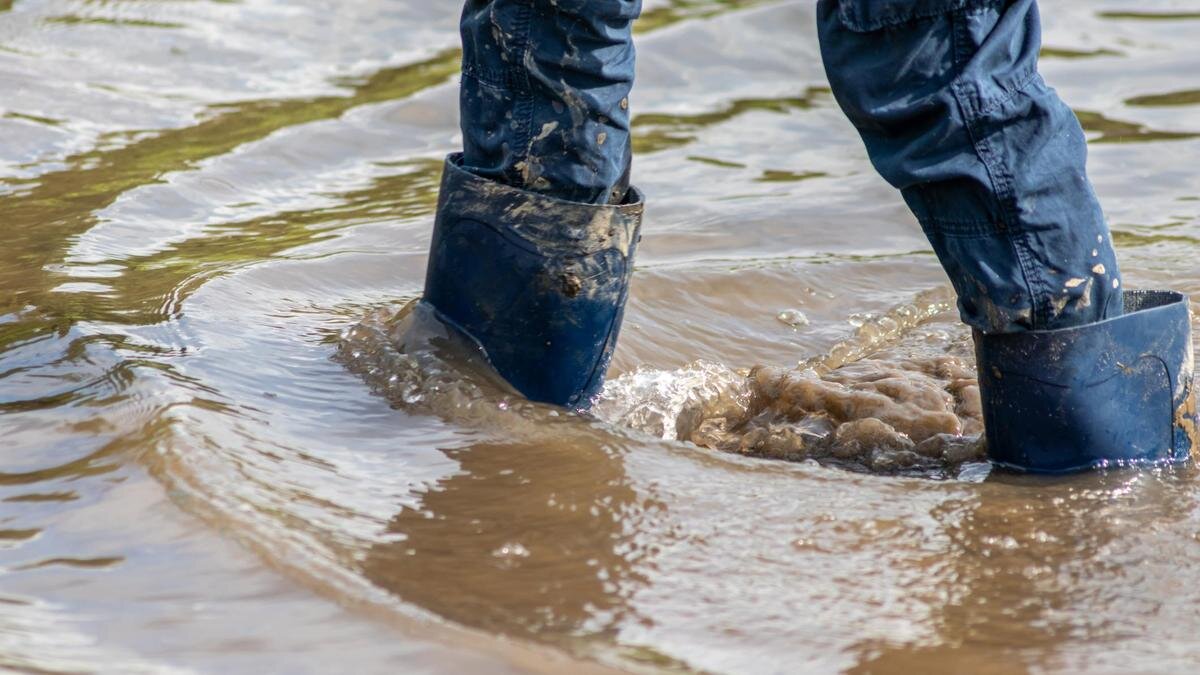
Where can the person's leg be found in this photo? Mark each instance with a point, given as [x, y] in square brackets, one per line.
[545, 95]
[948, 100]
[536, 228]
[947, 97]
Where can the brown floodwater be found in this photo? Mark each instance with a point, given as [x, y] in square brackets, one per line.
[230, 444]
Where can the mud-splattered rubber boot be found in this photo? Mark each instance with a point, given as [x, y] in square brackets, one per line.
[1108, 394]
[539, 283]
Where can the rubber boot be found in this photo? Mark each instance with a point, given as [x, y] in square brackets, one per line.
[1113, 393]
[539, 283]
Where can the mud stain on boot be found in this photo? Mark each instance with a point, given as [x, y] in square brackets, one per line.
[1185, 420]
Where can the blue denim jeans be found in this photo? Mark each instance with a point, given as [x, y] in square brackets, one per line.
[545, 95]
[945, 94]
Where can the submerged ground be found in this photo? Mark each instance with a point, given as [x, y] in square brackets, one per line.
[213, 458]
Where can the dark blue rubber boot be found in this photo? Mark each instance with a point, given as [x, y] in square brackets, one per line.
[539, 283]
[1113, 393]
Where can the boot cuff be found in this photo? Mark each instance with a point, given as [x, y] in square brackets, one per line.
[554, 224]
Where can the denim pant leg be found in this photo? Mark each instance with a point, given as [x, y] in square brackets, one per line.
[545, 95]
[948, 100]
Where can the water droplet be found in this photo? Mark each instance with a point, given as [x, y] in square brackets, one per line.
[793, 317]
[511, 550]
[857, 320]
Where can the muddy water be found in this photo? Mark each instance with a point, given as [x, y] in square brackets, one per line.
[218, 457]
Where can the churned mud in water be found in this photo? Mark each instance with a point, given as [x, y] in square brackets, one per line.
[880, 415]
[897, 397]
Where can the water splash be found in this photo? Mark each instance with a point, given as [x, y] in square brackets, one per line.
[411, 358]
[665, 403]
[419, 364]
[873, 333]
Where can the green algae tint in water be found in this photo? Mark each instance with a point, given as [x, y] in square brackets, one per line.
[218, 457]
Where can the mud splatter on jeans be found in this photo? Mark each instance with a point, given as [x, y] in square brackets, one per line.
[947, 97]
[545, 95]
